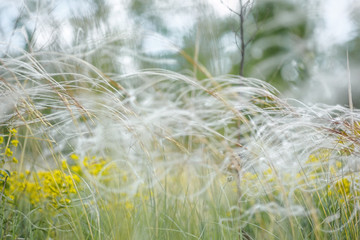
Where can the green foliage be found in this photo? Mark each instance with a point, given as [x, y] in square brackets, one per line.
[279, 51]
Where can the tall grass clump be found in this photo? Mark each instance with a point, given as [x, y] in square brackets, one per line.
[155, 154]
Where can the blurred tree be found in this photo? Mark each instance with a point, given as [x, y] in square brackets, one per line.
[352, 47]
[275, 40]
[272, 42]
[241, 42]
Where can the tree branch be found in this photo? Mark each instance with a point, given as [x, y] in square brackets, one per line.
[229, 8]
[244, 10]
[242, 49]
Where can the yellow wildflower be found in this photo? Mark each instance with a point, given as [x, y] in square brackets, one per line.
[13, 131]
[86, 161]
[343, 186]
[64, 164]
[312, 177]
[329, 191]
[269, 174]
[338, 164]
[124, 178]
[76, 178]
[8, 152]
[129, 205]
[268, 171]
[312, 158]
[14, 159]
[95, 168]
[74, 157]
[15, 142]
[249, 176]
[321, 155]
[146, 198]
[1, 140]
[76, 169]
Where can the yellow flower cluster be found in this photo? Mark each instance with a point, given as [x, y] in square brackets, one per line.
[7, 148]
[44, 187]
[269, 175]
[55, 187]
[343, 186]
[341, 183]
[318, 165]
[343, 189]
[321, 155]
[94, 166]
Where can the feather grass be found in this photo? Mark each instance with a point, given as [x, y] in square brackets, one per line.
[196, 159]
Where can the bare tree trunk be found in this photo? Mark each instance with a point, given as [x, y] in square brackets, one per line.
[242, 42]
[244, 10]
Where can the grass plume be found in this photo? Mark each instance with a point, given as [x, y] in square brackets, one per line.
[149, 154]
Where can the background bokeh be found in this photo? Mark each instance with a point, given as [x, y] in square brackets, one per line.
[300, 47]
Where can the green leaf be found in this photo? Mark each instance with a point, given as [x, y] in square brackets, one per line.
[5, 170]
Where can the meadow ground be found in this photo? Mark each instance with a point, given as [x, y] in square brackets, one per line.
[160, 155]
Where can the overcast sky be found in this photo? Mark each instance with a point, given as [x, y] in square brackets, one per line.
[336, 28]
